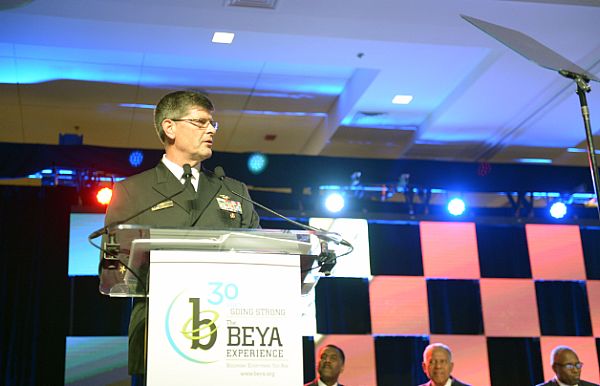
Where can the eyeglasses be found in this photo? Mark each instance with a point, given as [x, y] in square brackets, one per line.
[199, 123]
[571, 366]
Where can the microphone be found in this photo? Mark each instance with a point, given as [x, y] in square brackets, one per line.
[327, 258]
[104, 229]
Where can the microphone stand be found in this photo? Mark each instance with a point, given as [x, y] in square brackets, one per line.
[583, 88]
[538, 53]
[327, 259]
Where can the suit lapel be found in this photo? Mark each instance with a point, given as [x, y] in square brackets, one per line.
[168, 185]
[208, 187]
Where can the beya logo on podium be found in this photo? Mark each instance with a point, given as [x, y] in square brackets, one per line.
[193, 331]
[205, 326]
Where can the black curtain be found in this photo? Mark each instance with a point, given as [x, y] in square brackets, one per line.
[503, 251]
[309, 360]
[342, 305]
[590, 239]
[399, 360]
[34, 241]
[563, 308]
[454, 307]
[515, 361]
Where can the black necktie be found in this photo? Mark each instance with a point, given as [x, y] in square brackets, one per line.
[187, 174]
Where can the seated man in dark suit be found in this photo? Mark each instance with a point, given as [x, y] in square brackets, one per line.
[329, 367]
[567, 368]
[438, 365]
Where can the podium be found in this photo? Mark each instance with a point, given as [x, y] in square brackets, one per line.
[223, 305]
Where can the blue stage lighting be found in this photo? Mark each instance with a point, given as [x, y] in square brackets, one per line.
[135, 158]
[558, 210]
[456, 207]
[257, 163]
[334, 202]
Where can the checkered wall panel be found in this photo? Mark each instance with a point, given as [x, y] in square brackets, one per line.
[501, 296]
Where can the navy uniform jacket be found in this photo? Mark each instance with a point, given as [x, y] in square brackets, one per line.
[202, 211]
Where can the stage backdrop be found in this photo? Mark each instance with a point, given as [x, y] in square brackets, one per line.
[501, 296]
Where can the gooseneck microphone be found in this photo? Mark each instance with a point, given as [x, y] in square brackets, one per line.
[327, 258]
[99, 232]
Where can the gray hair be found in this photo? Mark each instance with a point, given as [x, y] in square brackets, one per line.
[433, 346]
[175, 105]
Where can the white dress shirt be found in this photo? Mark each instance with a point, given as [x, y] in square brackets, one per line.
[178, 171]
[321, 383]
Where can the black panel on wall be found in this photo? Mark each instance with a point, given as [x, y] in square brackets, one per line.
[93, 314]
[515, 361]
[503, 251]
[395, 249]
[590, 239]
[598, 347]
[34, 240]
[454, 306]
[399, 360]
[563, 308]
[342, 306]
[308, 350]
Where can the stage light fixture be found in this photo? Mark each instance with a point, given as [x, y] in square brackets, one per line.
[558, 210]
[456, 206]
[135, 158]
[334, 202]
[257, 163]
[104, 195]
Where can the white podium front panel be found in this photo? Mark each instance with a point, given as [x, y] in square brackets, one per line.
[224, 318]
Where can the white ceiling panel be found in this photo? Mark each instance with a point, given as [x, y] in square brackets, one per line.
[319, 74]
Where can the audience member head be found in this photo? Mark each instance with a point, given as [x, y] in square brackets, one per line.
[330, 363]
[437, 363]
[566, 365]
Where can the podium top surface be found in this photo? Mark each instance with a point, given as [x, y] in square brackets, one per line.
[131, 246]
[254, 240]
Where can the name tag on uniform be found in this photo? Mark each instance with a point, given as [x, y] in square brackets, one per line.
[163, 205]
[225, 203]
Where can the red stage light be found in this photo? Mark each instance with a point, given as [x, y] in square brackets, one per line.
[104, 195]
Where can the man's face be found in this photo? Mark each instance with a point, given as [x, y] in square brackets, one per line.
[437, 366]
[192, 141]
[330, 365]
[569, 376]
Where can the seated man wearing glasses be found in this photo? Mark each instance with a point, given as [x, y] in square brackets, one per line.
[567, 368]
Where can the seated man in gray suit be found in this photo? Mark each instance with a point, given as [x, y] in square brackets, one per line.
[438, 365]
[329, 367]
[178, 192]
[567, 368]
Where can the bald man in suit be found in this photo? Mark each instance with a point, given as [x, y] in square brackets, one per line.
[329, 366]
[179, 191]
[567, 367]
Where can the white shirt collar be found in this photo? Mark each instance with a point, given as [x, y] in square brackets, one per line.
[177, 171]
[562, 384]
[321, 383]
[448, 382]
